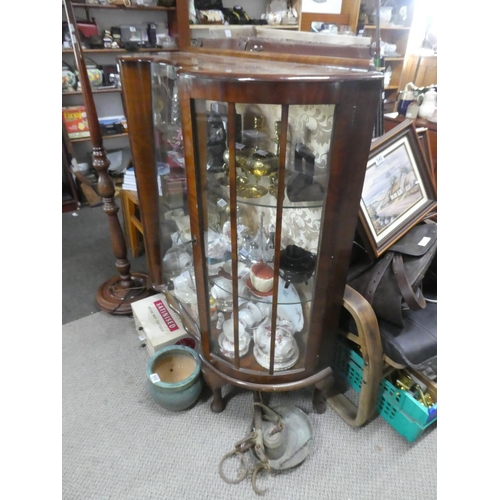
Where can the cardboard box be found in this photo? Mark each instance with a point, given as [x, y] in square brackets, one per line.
[75, 121]
[158, 325]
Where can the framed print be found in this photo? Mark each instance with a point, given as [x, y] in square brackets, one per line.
[398, 191]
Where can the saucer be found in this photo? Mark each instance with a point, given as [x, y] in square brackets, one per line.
[227, 347]
[263, 359]
[256, 292]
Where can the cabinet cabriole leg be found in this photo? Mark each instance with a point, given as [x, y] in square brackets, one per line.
[318, 401]
[215, 383]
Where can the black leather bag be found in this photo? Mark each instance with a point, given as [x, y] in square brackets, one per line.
[395, 285]
[394, 280]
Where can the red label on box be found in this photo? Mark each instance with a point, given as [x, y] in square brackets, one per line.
[75, 121]
[165, 315]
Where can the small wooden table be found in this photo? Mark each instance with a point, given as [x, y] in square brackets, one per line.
[132, 221]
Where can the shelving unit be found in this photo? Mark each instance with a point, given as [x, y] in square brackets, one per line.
[109, 101]
[347, 16]
[399, 36]
[254, 9]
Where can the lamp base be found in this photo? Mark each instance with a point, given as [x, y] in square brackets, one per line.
[114, 299]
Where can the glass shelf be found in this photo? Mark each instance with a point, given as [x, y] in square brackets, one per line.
[267, 200]
[295, 293]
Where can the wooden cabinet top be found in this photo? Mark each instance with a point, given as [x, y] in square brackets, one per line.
[237, 68]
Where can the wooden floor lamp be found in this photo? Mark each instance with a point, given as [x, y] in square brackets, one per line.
[116, 294]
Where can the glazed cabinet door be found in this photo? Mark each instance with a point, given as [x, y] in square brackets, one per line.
[261, 227]
[259, 177]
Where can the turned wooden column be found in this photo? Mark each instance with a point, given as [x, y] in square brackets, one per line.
[116, 294]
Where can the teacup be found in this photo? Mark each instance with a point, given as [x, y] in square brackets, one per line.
[228, 330]
[228, 348]
[252, 314]
[262, 277]
[285, 346]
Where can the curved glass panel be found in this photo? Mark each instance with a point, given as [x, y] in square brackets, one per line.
[175, 229]
[262, 209]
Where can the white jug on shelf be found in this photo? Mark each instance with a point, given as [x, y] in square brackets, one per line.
[428, 103]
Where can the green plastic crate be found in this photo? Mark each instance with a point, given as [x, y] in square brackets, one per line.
[408, 416]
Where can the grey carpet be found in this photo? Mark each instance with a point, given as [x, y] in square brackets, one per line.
[88, 260]
[117, 443]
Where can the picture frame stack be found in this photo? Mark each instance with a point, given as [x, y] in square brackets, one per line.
[399, 191]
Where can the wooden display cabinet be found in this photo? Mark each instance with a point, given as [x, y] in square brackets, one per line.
[260, 165]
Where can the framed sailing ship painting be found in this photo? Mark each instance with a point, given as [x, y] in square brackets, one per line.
[398, 191]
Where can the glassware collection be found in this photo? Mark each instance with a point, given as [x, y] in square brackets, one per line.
[257, 176]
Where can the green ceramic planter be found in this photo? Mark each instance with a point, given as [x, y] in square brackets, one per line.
[174, 377]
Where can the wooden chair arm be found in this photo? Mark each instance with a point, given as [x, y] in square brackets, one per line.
[370, 343]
